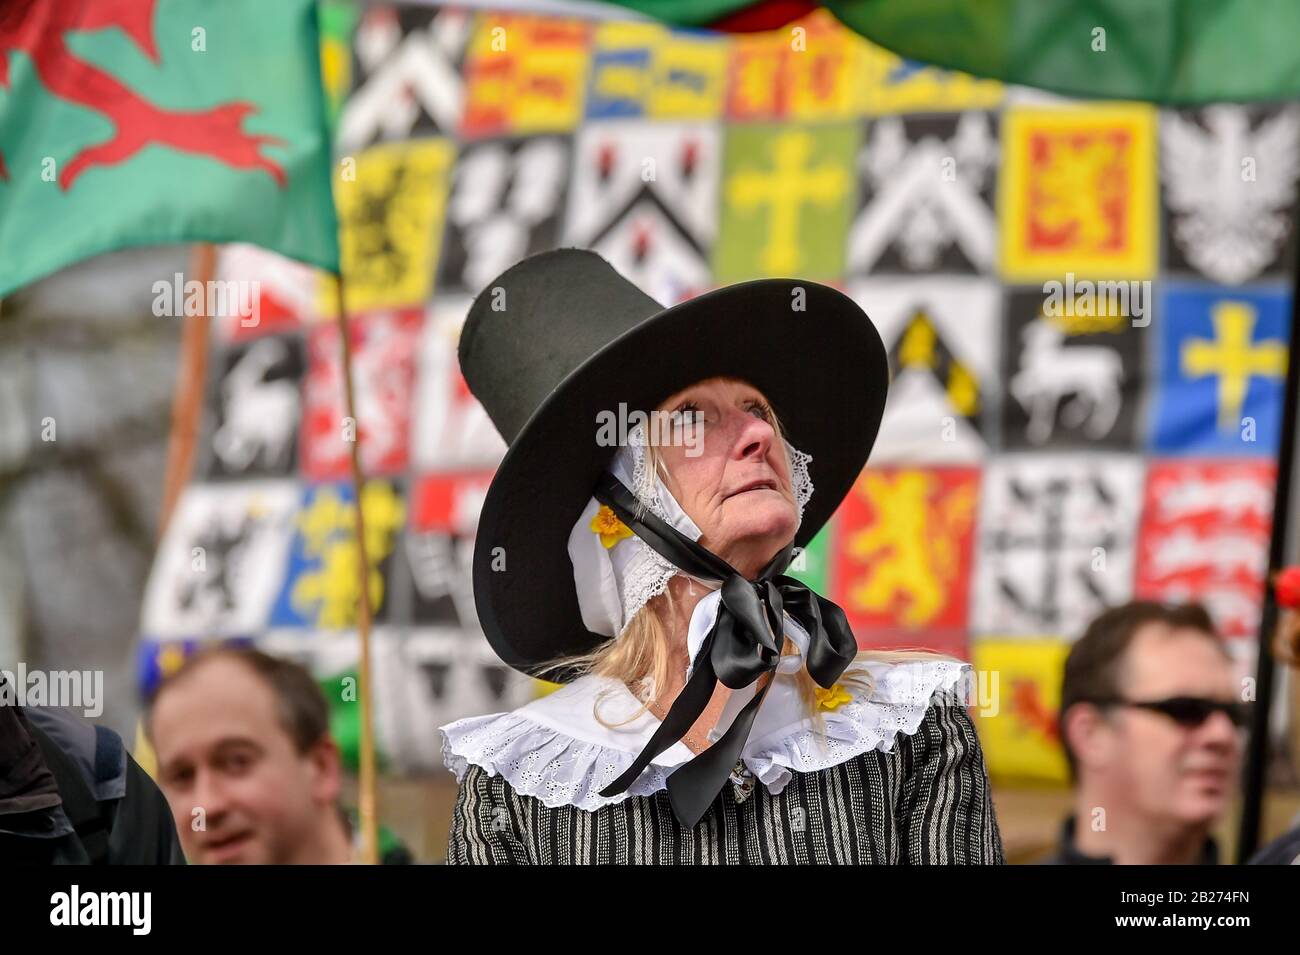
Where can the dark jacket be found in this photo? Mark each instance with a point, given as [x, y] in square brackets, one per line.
[1284, 850]
[71, 794]
[1067, 853]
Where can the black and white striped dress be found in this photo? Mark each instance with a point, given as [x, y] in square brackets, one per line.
[917, 795]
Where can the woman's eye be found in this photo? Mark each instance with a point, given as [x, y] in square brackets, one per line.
[761, 410]
[688, 412]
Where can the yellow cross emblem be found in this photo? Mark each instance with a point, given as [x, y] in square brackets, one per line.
[785, 188]
[1233, 357]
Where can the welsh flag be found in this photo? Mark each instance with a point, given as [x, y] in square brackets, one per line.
[132, 122]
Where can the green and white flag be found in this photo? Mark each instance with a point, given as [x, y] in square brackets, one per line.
[132, 122]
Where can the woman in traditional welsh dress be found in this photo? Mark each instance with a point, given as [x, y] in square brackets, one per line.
[713, 709]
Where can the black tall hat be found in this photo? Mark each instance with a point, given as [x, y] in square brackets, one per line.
[561, 337]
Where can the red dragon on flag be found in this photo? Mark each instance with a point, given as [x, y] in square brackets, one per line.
[40, 28]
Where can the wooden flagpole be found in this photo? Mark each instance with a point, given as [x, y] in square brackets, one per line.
[367, 797]
[183, 433]
[187, 394]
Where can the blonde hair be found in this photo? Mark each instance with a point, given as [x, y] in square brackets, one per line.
[640, 656]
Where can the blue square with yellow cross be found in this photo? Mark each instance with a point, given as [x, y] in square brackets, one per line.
[1221, 369]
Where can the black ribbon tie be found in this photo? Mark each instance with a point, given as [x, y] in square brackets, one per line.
[743, 644]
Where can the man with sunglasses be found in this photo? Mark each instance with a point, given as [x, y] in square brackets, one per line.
[1150, 717]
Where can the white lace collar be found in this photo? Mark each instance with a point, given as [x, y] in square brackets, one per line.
[555, 749]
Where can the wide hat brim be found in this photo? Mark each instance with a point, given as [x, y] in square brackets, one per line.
[823, 368]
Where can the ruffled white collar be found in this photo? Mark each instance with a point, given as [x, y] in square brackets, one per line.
[555, 749]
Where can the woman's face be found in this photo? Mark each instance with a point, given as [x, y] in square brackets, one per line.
[732, 477]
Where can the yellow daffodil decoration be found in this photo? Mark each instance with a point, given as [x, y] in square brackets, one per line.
[832, 698]
[609, 527]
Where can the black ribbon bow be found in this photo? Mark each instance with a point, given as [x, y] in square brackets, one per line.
[744, 643]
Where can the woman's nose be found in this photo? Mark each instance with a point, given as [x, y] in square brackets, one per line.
[755, 436]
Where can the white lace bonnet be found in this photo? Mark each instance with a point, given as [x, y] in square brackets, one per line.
[616, 574]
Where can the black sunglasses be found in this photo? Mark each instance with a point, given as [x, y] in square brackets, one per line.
[1188, 711]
